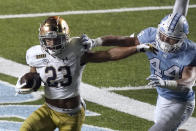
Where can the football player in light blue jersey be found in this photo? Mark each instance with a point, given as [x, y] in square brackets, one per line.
[172, 71]
[173, 67]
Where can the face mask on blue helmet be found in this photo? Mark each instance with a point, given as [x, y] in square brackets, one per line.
[175, 27]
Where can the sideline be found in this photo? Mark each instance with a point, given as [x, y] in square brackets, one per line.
[90, 12]
[99, 96]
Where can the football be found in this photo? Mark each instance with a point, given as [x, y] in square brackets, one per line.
[32, 80]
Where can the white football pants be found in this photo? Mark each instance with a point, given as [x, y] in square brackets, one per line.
[171, 114]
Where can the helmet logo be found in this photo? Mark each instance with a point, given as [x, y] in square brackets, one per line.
[55, 29]
[174, 22]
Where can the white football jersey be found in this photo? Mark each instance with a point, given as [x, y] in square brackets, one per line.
[61, 77]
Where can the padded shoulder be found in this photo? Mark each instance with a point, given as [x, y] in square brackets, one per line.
[35, 56]
[147, 35]
[75, 47]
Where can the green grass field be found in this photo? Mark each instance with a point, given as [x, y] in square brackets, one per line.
[18, 34]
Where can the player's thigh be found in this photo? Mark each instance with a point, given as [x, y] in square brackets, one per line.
[172, 114]
[71, 122]
[190, 106]
[39, 120]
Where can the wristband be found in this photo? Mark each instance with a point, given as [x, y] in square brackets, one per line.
[171, 84]
[97, 42]
[140, 48]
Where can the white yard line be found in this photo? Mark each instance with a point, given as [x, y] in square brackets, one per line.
[99, 96]
[117, 102]
[126, 88]
[11, 68]
[90, 11]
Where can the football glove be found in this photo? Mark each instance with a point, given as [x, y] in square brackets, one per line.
[156, 81]
[86, 42]
[20, 87]
[147, 47]
[90, 43]
[28, 83]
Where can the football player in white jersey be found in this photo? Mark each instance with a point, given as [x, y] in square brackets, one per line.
[60, 60]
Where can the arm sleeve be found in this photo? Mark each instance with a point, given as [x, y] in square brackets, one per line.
[181, 7]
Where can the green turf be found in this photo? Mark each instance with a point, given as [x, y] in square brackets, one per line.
[37, 6]
[147, 95]
[12, 119]
[10, 79]
[116, 120]
[17, 35]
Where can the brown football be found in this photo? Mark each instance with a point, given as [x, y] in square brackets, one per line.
[32, 79]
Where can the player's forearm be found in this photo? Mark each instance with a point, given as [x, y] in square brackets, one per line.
[121, 52]
[110, 55]
[33, 69]
[181, 7]
[188, 78]
[114, 41]
[185, 83]
[178, 85]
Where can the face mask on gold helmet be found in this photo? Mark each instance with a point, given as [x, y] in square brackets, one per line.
[54, 28]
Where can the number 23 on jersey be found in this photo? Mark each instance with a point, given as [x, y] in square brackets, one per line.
[52, 80]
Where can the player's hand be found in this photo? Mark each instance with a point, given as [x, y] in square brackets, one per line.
[156, 81]
[147, 47]
[20, 87]
[86, 42]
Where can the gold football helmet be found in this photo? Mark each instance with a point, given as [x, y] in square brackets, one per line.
[54, 29]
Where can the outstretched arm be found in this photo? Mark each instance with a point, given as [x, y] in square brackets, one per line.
[119, 41]
[112, 54]
[108, 41]
[116, 53]
[181, 7]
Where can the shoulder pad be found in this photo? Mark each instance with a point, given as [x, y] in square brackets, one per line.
[147, 35]
[35, 56]
[76, 47]
[74, 40]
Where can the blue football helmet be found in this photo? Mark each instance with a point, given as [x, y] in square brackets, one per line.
[171, 32]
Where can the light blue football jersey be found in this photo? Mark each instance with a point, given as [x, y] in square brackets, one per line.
[169, 66]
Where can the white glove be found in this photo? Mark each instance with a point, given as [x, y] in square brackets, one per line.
[147, 47]
[86, 42]
[20, 87]
[90, 43]
[156, 81]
